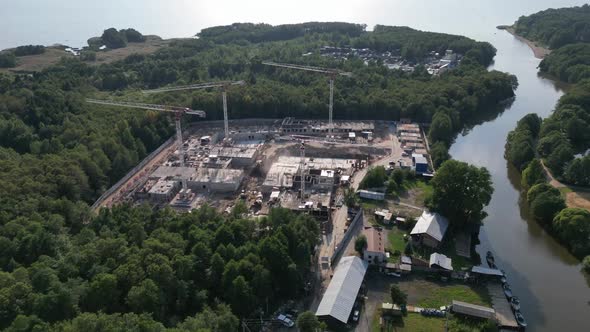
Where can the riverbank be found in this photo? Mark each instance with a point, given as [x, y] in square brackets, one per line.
[539, 51]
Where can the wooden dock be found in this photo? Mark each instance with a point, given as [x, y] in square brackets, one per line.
[504, 314]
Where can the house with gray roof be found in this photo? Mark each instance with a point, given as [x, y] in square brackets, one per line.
[430, 229]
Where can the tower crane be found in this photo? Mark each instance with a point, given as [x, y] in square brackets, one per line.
[222, 84]
[332, 73]
[178, 112]
[302, 168]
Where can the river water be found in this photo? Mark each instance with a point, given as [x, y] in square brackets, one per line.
[554, 294]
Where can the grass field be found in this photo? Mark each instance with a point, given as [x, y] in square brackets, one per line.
[395, 237]
[444, 295]
[412, 322]
[52, 55]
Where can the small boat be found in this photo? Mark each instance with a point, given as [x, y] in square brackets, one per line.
[507, 290]
[515, 303]
[490, 259]
[520, 319]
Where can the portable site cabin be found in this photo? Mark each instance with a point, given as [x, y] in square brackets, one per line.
[377, 196]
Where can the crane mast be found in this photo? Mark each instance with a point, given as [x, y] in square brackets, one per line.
[302, 169]
[178, 112]
[332, 73]
[222, 84]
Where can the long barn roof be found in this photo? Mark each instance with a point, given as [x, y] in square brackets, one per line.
[340, 295]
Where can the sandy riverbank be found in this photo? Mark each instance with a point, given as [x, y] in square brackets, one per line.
[539, 51]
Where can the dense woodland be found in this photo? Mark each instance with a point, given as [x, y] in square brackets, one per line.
[570, 63]
[560, 141]
[556, 27]
[567, 32]
[127, 269]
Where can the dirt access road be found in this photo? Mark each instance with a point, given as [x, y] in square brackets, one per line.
[575, 197]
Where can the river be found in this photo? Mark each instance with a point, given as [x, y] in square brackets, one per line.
[554, 294]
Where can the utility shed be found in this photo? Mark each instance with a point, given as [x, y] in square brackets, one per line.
[440, 261]
[339, 298]
[487, 271]
[473, 310]
[430, 229]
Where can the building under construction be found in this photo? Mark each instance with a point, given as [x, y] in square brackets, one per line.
[315, 127]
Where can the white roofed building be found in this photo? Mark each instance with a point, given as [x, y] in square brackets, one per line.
[430, 229]
[339, 298]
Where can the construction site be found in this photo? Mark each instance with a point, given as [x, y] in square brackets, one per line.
[302, 165]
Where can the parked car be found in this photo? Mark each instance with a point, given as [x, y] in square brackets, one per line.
[355, 316]
[285, 321]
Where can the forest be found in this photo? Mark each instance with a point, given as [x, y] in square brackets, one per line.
[556, 27]
[131, 268]
[561, 141]
[570, 63]
[567, 32]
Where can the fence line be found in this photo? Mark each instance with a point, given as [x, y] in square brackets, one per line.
[131, 173]
[344, 242]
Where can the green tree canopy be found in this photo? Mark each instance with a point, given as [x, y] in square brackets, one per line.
[398, 296]
[360, 244]
[533, 174]
[572, 226]
[308, 322]
[375, 177]
[460, 192]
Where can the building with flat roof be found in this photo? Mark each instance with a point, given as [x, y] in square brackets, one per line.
[314, 127]
[216, 180]
[375, 251]
[339, 298]
[419, 163]
[241, 156]
[280, 175]
[163, 190]
[430, 229]
[171, 172]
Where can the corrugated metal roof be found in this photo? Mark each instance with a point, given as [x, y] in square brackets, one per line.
[432, 224]
[441, 260]
[340, 295]
[487, 271]
[473, 310]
